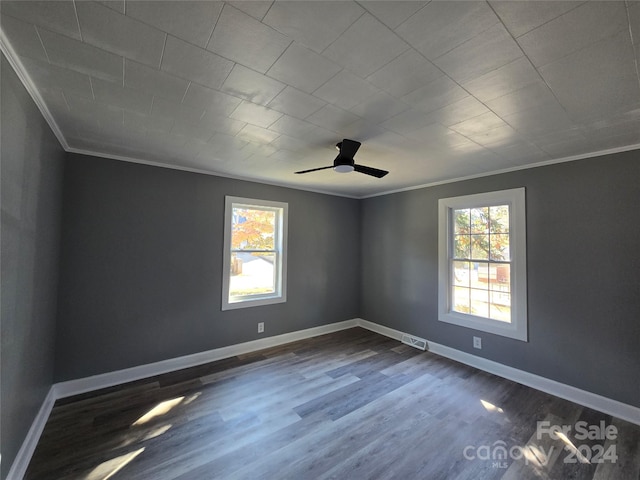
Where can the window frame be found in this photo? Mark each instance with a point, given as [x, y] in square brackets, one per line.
[280, 249]
[515, 198]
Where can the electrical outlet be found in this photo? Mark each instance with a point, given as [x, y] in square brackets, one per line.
[477, 342]
[260, 327]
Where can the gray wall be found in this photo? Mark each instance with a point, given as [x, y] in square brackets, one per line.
[583, 225]
[140, 276]
[32, 163]
[142, 265]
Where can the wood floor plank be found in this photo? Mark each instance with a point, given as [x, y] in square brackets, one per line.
[348, 405]
[311, 454]
[627, 448]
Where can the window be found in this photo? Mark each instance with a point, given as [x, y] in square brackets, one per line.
[482, 262]
[255, 253]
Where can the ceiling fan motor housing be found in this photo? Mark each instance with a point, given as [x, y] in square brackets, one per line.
[343, 165]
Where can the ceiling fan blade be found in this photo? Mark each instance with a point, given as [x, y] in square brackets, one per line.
[374, 172]
[348, 148]
[314, 169]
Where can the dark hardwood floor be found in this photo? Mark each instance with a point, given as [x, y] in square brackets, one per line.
[348, 405]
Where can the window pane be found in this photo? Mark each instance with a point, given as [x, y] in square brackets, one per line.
[253, 229]
[500, 308]
[480, 220]
[499, 216]
[461, 221]
[461, 274]
[461, 244]
[480, 302]
[500, 246]
[479, 275]
[461, 299]
[252, 274]
[501, 281]
[480, 247]
[486, 271]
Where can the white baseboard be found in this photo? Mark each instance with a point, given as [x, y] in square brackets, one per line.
[96, 382]
[104, 380]
[23, 457]
[381, 329]
[573, 394]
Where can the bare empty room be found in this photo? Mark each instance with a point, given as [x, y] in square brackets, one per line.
[320, 240]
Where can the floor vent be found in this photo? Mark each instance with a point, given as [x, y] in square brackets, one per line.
[417, 342]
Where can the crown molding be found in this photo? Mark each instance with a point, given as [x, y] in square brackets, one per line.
[153, 163]
[16, 64]
[584, 156]
[14, 60]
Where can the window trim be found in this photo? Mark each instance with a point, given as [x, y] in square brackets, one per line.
[515, 198]
[280, 296]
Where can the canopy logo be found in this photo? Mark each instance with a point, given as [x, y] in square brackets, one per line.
[499, 454]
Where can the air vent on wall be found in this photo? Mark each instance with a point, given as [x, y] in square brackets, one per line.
[412, 341]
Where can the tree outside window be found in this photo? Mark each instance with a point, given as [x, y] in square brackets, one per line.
[254, 252]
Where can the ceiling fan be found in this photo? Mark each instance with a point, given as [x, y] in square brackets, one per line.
[344, 162]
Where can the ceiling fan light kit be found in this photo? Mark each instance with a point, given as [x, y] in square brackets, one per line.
[343, 168]
[344, 162]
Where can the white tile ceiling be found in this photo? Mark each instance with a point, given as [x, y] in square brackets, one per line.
[259, 89]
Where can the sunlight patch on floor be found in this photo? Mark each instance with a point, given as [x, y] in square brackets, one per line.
[572, 447]
[161, 409]
[490, 407]
[108, 469]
